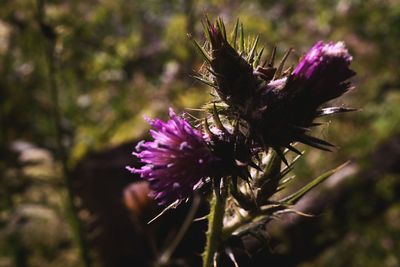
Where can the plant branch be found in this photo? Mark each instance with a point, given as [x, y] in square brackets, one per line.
[215, 224]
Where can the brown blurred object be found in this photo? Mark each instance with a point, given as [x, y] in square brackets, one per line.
[136, 198]
[100, 179]
[119, 210]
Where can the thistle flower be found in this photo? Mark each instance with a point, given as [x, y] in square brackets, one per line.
[276, 106]
[269, 107]
[232, 147]
[180, 156]
[324, 72]
[231, 70]
[175, 161]
[288, 106]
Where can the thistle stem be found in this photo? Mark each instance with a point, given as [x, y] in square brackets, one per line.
[215, 224]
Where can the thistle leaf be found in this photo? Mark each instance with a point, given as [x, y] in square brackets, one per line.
[285, 181]
[293, 198]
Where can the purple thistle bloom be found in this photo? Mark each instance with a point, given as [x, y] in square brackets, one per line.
[288, 106]
[323, 54]
[324, 71]
[176, 161]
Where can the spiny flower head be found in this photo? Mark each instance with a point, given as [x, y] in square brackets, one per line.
[180, 156]
[232, 147]
[288, 106]
[324, 71]
[175, 161]
[230, 65]
[276, 105]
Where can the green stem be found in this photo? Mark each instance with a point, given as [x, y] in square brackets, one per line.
[215, 224]
[49, 42]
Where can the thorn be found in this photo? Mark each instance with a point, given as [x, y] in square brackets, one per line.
[234, 34]
[202, 51]
[303, 129]
[253, 49]
[206, 28]
[258, 58]
[173, 205]
[231, 256]
[333, 110]
[266, 73]
[207, 128]
[253, 165]
[293, 149]
[319, 141]
[240, 163]
[245, 174]
[271, 58]
[200, 218]
[217, 187]
[206, 82]
[281, 155]
[236, 128]
[315, 142]
[210, 70]
[288, 71]
[282, 63]
[241, 198]
[315, 124]
[241, 38]
[217, 121]
[222, 27]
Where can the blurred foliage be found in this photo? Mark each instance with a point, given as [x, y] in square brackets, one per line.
[118, 60]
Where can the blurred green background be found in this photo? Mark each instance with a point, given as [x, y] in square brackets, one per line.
[76, 77]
